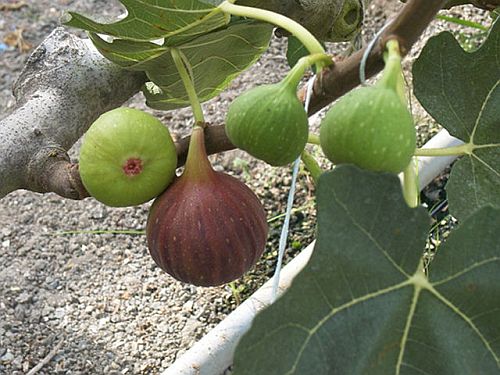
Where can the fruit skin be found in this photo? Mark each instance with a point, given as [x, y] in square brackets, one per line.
[127, 158]
[207, 228]
[270, 123]
[371, 128]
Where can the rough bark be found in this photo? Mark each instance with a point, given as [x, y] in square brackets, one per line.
[66, 85]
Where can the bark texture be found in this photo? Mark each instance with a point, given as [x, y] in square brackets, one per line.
[65, 85]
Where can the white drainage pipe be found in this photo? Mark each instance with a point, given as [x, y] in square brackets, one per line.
[429, 167]
[213, 354]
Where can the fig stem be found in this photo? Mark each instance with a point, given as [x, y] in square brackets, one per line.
[410, 185]
[392, 76]
[181, 64]
[465, 149]
[313, 139]
[295, 75]
[312, 165]
[198, 166]
[295, 28]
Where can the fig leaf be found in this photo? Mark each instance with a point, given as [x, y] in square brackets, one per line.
[214, 60]
[462, 92]
[174, 20]
[362, 305]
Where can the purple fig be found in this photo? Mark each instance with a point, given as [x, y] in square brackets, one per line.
[207, 228]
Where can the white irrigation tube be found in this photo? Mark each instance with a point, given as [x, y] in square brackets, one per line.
[430, 167]
[213, 354]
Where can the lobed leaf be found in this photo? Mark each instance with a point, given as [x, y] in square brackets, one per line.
[174, 20]
[213, 60]
[461, 91]
[362, 305]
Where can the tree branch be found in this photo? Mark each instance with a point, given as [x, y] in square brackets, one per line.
[343, 76]
[57, 94]
[65, 85]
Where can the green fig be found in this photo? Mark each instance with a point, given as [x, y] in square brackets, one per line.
[127, 158]
[371, 128]
[269, 122]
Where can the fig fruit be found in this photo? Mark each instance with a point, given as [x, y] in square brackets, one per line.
[127, 158]
[269, 122]
[371, 128]
[207, 228]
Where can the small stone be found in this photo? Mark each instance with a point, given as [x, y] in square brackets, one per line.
[59, 313]
[23, 298]
[7, 357]
[188, 306]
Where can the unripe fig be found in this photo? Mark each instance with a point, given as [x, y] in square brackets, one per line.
[269, 122]
[127, 158]
[371, 128]
[207, 228]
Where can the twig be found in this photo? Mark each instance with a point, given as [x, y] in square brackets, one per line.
[47, 358]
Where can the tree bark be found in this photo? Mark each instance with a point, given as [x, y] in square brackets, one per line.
[67, 84]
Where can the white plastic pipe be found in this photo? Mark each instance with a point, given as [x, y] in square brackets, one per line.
[213, 354]
[429, 167]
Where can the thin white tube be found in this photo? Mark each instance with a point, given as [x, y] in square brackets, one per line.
[213, 354]
[289, 205]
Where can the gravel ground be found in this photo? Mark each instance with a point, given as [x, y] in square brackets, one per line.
[99, 300]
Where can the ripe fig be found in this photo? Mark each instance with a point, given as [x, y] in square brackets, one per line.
[207, 228]
[127, 158]
[269, 122]
[371, 128]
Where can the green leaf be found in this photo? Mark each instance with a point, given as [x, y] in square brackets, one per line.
[214, 60]
[461, 91]
[362, 305]
[213, 2]
[174, 20]
[295, 51]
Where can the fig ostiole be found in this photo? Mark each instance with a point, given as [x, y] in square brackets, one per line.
[127, 158]
[207, 228]
[269, 122]
[371, 128]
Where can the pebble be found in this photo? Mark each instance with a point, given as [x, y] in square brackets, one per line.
[7, 357]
